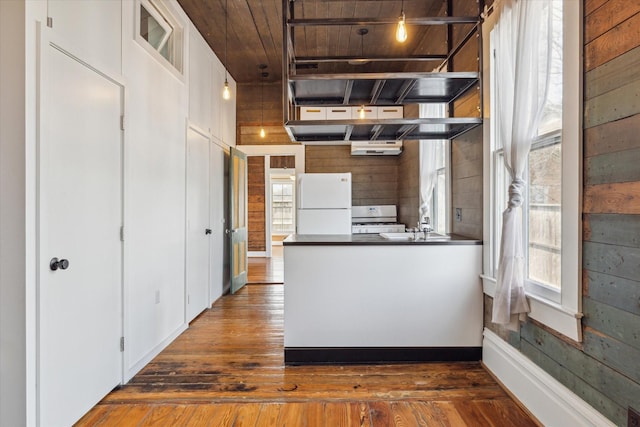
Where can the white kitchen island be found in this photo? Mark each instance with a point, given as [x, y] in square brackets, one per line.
[364, 299]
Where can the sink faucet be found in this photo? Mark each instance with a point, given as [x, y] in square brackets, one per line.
[425, 226]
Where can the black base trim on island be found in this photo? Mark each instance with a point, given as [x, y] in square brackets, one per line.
[372, 355]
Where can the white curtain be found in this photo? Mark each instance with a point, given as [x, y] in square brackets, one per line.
[429, 162]
[522, 57]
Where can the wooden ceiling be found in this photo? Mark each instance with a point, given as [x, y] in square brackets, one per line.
[255, 34]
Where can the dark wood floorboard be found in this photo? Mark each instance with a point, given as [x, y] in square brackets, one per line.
[263, 270]
[227, 370]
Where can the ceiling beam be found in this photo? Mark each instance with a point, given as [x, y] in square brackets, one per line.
[434, 20]
[326, 59]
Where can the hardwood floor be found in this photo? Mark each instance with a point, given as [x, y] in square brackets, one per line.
[267, 270]
[227, 370]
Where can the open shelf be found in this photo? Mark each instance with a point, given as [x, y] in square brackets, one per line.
[340, 87]
[305, 131]
[379, 88]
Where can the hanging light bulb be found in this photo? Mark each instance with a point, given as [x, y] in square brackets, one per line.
[401, 30]
[226, 92]
[263, 75]
[362, 112]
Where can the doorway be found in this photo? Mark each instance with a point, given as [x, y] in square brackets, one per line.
[282, 205]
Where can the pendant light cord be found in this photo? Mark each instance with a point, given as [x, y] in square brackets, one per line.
[226, 37]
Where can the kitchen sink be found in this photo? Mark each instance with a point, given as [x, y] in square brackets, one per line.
[415, 236]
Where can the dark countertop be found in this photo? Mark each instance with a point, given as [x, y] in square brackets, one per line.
[368, 239]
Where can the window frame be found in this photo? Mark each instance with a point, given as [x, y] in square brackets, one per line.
[533, 287]
[166, 17]
[564, 315]
[282, 181]
[446, 171]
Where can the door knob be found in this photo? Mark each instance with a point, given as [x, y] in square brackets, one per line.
[207, 231]
[227, 231]
[61, 264]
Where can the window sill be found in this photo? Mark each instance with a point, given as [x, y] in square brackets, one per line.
[549, 313]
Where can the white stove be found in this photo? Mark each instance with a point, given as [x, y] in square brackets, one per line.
[375, 219]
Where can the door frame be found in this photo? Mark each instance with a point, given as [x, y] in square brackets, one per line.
[48, 39]
[298, 151]
[190, 126]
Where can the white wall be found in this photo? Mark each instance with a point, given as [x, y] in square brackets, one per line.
[155, 120]
[12, 215]
[157, 110]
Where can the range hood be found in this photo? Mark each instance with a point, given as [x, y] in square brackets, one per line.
[376, 148]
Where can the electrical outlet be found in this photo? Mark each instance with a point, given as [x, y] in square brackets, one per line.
[458, 214]
[633, 418]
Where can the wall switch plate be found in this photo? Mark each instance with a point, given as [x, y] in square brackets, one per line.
[157, 296]
[458, 214]
[633, 418]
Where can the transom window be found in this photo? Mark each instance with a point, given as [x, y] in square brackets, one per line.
[159, 32]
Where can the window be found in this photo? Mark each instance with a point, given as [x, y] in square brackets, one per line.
[434, 173]
[282, 207]
[551, 207]
[160, 33]
[440, 199]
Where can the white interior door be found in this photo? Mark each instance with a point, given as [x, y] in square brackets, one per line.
[80, 211]
[198, 228]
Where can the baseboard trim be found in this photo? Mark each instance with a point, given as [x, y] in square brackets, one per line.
[129, 373]
[360, 355]
[547, 399]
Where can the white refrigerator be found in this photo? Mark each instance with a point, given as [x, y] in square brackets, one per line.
[324, 203]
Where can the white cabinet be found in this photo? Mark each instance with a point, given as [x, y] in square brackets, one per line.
[228, 113]
[93, 28]
[339, 113]
[207, 109]
[393, 112]
[200, 70]
[382, 295]
[313, 112]
[370, 112]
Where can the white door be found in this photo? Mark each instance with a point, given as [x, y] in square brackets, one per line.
[80, 211]
[198, 229]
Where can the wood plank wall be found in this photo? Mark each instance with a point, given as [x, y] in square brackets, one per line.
[409, 184]
[605, 369]
[249, 114]
[256, 204]
[374, 178]
[282, 162]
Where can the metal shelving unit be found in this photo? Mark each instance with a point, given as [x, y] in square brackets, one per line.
[383, 89]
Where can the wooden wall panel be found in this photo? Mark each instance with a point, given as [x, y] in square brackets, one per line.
[409, 184]
[603, 370]
[612, 137]
[612, 43]
[249, 114]
[375, 178]
[282, 162]
[608, 16]
[256, 207]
